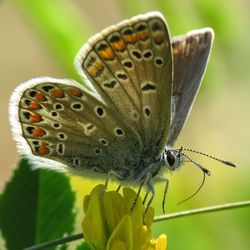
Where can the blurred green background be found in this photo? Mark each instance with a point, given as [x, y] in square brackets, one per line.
[41, 38]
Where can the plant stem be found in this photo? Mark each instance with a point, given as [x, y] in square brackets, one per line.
[217, 208]
[56, 242]
[202, 210]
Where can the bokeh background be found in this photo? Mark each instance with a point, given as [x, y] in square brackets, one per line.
[41, 38]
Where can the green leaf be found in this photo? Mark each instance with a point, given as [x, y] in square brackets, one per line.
[36, 206]
[83, 246]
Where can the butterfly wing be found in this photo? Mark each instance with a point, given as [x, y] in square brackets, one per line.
[59, 125]
[130, 66]
[128, 115]
[191, 53]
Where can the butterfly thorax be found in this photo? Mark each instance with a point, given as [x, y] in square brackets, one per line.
[149, 164]
[152, 166]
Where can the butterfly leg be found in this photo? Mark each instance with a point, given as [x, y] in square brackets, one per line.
[161, 179]
[152, 190]
[138, 192]
[165, 195]
[111, 173]
[118, 189]
[145, 197]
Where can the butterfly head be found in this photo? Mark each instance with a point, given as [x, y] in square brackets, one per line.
[173, 159]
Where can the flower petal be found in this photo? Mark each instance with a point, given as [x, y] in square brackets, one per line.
[129, 196]
[123, 233]
[113, 206]
[118, 245]
[161, 242]
[93, 223]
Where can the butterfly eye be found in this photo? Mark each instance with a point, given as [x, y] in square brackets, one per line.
[170, 158]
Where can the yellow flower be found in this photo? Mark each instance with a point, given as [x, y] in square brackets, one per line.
[109, 225]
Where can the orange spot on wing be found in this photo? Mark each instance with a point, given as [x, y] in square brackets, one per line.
[57, 93]
[143, 35]
[34, 105]
[43, 149]
[106, 54]
[40, 97]
[159, 38]
[39, 132]
[130, 38]
[119, 45]
[75, 92]
[35, 118]
[96, 68]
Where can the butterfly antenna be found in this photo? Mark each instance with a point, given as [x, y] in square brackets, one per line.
[197, 191]
[204, 170]
[210, 156]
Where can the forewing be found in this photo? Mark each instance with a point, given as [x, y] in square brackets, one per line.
[130, 66]
[190, 53]
[66, 128]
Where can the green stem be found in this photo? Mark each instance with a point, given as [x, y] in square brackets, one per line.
[56, 242]
[202, 210]
[217, 208]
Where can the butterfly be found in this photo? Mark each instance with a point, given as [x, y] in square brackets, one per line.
[141, 87]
